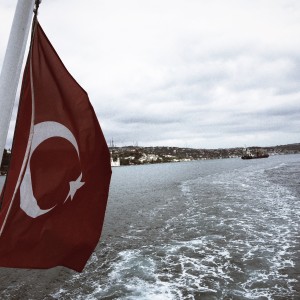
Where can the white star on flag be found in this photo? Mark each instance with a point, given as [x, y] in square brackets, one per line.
[74, 186]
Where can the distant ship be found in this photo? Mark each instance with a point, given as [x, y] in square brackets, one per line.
[258, 153]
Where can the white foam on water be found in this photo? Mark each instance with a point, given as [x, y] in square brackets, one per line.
[137, 275]
[278, 166]
[10, 292]
[265, 227]
[58, 294]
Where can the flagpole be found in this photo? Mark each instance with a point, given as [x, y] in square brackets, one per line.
[12, 64]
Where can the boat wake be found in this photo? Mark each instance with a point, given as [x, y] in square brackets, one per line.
[235, 236]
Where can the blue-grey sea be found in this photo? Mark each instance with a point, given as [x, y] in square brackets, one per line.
[215, 229]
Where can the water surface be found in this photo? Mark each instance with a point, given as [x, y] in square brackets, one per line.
[219, 229]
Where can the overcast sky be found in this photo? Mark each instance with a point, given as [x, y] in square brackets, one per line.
[186, 73]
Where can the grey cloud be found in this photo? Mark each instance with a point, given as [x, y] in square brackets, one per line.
[148, 120]
[207, 79]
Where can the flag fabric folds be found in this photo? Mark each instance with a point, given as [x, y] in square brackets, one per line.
[55, 195]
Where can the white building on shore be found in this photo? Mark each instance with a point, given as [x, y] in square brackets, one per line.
[114, 163]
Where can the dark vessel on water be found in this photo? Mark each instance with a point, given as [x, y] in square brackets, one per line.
[258, 153]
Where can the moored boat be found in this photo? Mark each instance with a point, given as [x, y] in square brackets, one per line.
[258, 153]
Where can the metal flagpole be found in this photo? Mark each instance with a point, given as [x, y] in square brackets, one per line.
[12, 64]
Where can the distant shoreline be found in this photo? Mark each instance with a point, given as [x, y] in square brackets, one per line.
[134, 155]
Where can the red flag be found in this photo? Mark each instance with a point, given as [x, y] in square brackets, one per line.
[55, 195]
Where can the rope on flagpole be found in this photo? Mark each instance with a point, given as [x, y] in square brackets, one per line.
[35, 11]
[34, 21]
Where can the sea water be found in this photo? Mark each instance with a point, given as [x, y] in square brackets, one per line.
[216, 229]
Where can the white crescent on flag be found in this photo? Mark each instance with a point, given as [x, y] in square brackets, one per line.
[42, 132]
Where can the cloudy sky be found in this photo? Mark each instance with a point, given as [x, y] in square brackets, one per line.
[187, 73]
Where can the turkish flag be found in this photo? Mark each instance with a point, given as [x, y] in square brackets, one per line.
[55, 195]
